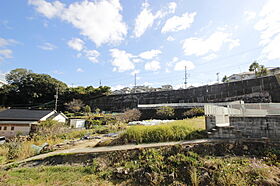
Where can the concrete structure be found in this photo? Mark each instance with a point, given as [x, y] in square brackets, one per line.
[21, 121]
[257, 120]
[77, 123]
[263, 89]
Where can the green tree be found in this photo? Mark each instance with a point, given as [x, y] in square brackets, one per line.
[225, 79]
[262, 71]
[26, 88]
[254, 67]
[165, 111]
[75, 105]
[17, 75]
[87, 109]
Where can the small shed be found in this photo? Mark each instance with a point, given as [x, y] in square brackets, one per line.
[77, 123]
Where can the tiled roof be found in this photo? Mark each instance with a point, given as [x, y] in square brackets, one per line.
[23, 114]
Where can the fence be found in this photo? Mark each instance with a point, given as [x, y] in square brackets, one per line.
[222, 114]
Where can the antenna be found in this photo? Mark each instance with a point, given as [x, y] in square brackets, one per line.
[186, 77]
[56, 99]
[218, 78]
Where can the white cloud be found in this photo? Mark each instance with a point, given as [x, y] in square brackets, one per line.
[210, 57]
[92, 55]
[49, 10]
[76, 44]
[6, 42]
[199, 46]
[79, 70]
[88, 17]
[250, 15]
[117, 87]
[5, 54]
[150, 54]
[47, 46]
[152, 66]
[136, 60]
[170, 38]
[172, 7]
[146, 18]
[177, 23]
[182, 64]
[121, 60]
[269, 27]
[79, 45]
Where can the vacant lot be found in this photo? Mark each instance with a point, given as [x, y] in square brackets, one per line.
[175, 131]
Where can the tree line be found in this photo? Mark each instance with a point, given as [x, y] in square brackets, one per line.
[28, 89]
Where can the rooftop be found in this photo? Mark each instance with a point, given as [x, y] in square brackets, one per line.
[23, 114]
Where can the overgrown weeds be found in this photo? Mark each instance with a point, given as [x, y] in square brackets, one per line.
[183, 130]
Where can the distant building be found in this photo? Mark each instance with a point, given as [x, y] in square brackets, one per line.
[273, 70]
[166, 87]
[241, 76]
[22, 121]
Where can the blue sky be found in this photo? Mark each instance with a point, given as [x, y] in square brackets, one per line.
[84, 42]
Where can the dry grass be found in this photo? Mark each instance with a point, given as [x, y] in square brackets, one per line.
[174, 131]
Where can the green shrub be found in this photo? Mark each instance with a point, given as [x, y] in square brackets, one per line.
[194, 112]
[165, 111]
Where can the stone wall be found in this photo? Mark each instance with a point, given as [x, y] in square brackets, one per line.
[248, 128]
[210, 122]
[264, 89]
[257, 127]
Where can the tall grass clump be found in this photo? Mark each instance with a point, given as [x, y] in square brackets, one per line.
[175, 131]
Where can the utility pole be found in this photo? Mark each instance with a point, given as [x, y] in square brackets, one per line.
[186, 77]
[135, 83]
[218, 78]
[56, 99]
[100, 83]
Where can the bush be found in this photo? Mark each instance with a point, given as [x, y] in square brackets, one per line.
[194, 112]
[129, 115]
[165, 111]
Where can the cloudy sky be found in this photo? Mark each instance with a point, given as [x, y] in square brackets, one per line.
[84, 42]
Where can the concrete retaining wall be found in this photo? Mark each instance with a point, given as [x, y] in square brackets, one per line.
[264, 89]
[247, 127]
[257, 127]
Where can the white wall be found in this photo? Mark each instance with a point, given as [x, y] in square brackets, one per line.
[77, 123]
[22, 130]
[60, 118]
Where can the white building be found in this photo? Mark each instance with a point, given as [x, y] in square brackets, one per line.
[77, 123]
[21, 121]
[241, 76]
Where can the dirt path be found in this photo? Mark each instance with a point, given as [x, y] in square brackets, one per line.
[85, 148]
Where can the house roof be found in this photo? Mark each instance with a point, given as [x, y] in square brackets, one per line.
[23, 114]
